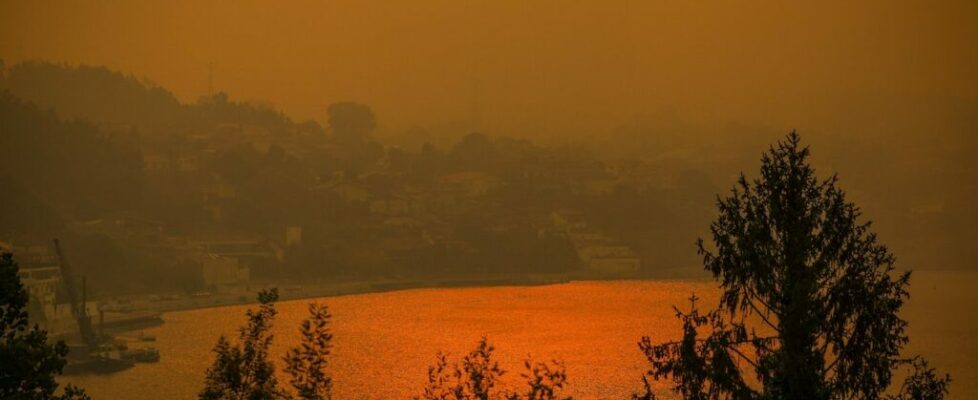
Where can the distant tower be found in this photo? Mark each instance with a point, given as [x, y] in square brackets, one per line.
[476, 105]
[210, 79]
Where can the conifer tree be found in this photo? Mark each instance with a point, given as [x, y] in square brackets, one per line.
[809, 303]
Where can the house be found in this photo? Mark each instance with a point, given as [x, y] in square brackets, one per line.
[391, 206]
[349, 192]
[187, 163]
[40, 273]
[156, 162]
[597, 253]
[568, 221]
[219, 191]
[605, 257]
[614, 264]
[237, 248]
[42, 287]
[293, 235]
[124, 227]
[595, 187]
[223, 274]
[469, 184]
[258, 255]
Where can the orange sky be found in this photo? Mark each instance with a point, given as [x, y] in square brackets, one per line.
[528, 67]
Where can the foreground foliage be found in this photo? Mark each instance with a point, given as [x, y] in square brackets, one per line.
[476, 378]
[28, 364]
[307, 363]
[810, 299]
[245, 371]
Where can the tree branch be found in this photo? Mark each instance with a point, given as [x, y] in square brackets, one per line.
[739, 353]
[759, 313]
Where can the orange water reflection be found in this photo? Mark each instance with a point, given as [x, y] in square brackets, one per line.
[384, 342]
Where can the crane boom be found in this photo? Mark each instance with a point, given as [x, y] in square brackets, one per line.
[77, 305]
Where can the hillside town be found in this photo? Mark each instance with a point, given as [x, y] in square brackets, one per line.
[226, 197]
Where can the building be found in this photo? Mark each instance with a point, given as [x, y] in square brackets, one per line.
[568, 221]
[597, 253]
[614, 264]
[469, 184]
[293, 235]
[223, 274]
[156, 162]
[392, 206]
[42, 289]
[40, 273]
[605, 257]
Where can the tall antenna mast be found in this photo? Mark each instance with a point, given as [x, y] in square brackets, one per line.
[210, 79]
[476, 97]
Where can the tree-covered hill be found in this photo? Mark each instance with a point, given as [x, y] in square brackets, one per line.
[71, 164]
[121, 102]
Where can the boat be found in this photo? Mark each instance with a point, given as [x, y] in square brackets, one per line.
[105, 359]
[96, 365]
[142, 355]
[94, 353]
[143, 337]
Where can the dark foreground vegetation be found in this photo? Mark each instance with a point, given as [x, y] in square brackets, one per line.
[809, 304]
[244, 370]
[809, 310]
[28, 363]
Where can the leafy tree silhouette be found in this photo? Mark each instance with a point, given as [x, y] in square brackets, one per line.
[245, 371]
[809, 304]
[28, 364]
[307, 362]
[477, 376]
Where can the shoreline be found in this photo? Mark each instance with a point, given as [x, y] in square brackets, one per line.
[289, 291]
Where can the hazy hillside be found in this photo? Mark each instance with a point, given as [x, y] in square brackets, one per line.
[120, 102]
[72, 165]
[135, 176]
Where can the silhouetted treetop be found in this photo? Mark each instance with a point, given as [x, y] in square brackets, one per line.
[810, 298]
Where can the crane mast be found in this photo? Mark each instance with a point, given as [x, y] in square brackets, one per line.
[77, 301]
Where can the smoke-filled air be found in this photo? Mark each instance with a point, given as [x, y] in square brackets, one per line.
[488, 200]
